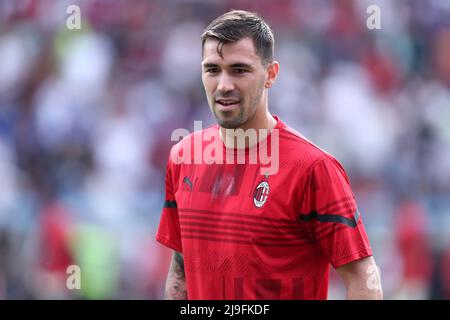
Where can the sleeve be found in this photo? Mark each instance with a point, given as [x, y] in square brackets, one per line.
[330, 216]
[169, 233]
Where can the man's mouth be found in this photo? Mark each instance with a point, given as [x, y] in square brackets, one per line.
[227, 104]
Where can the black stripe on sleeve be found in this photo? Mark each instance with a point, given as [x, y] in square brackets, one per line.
[331, 218]
[170, 204]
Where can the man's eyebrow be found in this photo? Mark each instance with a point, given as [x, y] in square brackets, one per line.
[234, 65]
[210, 65]
[242, 65]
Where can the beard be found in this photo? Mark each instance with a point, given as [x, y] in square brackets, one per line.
[238, 117]
[230, 120]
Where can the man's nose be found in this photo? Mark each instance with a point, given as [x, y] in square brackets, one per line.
[225, 83]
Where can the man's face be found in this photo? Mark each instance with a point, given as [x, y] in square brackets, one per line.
[234, 84]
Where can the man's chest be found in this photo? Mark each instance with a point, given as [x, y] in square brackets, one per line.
[236, 189]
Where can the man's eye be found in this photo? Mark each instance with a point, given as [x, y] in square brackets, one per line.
[240, 71]
[212, 70]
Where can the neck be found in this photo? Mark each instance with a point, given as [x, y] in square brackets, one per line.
[252, 132]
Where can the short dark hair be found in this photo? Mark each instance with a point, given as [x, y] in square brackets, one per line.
[238, 24]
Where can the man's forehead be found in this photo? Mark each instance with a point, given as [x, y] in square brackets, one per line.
[242, 51]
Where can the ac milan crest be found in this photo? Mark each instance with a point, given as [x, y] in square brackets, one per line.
[261, 193]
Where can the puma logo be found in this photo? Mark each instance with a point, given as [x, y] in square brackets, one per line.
[188, 183]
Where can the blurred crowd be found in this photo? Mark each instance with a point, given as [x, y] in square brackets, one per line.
[86, 118]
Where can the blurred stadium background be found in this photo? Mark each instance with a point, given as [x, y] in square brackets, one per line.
[86, 117]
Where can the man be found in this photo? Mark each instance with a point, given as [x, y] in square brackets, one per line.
[242, 233]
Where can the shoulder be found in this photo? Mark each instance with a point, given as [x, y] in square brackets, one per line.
[300, 149]
[305, 157]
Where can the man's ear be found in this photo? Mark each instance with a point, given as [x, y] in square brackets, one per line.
[272, 72]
